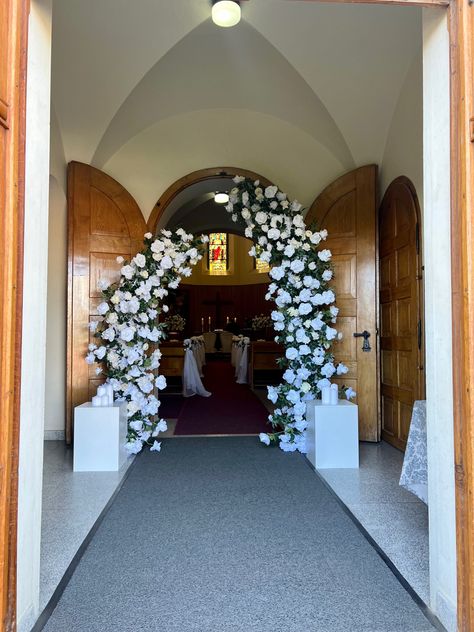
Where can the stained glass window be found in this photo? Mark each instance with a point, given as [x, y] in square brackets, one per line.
[261, 266]
[218, 255]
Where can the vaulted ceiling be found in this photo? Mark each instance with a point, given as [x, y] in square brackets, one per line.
[150, 90]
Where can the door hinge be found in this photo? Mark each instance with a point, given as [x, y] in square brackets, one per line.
[471, 126]
[417, 238]
[419, 334]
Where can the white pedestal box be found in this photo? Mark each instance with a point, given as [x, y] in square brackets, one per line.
[333, 435]
[99, 436]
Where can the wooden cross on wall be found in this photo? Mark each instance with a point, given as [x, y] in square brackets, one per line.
[218, 304]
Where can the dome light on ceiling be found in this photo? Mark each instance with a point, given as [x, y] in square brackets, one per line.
[221, 197]
[226, 12]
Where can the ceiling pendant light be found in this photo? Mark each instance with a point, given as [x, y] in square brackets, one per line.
[221, 198]
[226, 12]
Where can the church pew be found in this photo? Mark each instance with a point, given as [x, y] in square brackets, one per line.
[263, 360]
[172, 359]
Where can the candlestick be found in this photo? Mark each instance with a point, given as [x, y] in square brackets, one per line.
[326, 395]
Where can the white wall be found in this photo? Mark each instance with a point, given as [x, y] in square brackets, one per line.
[55, 387]
[403, 154]
[34, 312]
[439, 387]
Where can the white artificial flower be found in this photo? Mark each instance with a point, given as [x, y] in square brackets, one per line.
[134, 447]
[127, 271]
[103, 308]
[160, 382]
[246, 213]
[277, 273]
[289, 251]
[273, 233]
[341, 369]
[139, 260]
[272, 393]
[306, 387]
[136, 425]
[261, 217]
[270, 191]
[100, 352]
[148, 235]
[305, 308]
[127, 334]
[291, 353]
[90, 358]
[166, 262]
[264, 438]
[296, 206]
[156, 447]
[327, 275]
[119, 259]
[350, 393]
[325, 255]
[103, 284]
[297, 266]
[331, 333]
[289, 376]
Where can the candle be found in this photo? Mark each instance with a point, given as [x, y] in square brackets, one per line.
[227, 320]
[102, 390]
[110, 393]
[209, 323]
[326, 395]
[96, 401]
[104, 400]
[202, 323]
[235, 319]
[334, 396]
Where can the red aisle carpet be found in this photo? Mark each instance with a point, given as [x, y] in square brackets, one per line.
[231, 409]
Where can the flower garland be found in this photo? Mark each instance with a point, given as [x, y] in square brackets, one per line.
[131, 328]
[305, 311]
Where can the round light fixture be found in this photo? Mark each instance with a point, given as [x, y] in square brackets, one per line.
[221, 197]
[226, 13]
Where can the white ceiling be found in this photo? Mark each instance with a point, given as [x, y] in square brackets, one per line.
[150, 90]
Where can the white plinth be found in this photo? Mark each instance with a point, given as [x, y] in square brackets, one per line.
[333, 435]
[99, 437]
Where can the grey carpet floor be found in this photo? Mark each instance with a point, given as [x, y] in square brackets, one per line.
[226, 535]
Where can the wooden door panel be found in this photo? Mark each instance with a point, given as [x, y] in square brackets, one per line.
[400, 300]
[347, 210]
[104, 223]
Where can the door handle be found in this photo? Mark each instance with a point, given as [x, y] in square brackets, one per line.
[365, 335]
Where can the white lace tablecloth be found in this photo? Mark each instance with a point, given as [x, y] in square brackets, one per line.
[414, 475]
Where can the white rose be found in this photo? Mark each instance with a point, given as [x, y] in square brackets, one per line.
[264, 438]
[271, 191]
[127, 271]
[324, 255]
[148, 235]
[102, 308]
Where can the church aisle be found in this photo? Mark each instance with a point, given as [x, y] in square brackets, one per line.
[225, 535]
[232, 408]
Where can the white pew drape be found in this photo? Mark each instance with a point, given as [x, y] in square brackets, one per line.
[243, 364]
[192, 384]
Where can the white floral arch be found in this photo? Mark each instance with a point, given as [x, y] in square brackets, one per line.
[305, 313]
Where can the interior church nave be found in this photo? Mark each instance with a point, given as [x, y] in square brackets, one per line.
[149, 110]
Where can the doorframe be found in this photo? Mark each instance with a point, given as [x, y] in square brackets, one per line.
[461, 26]
[13, 120]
